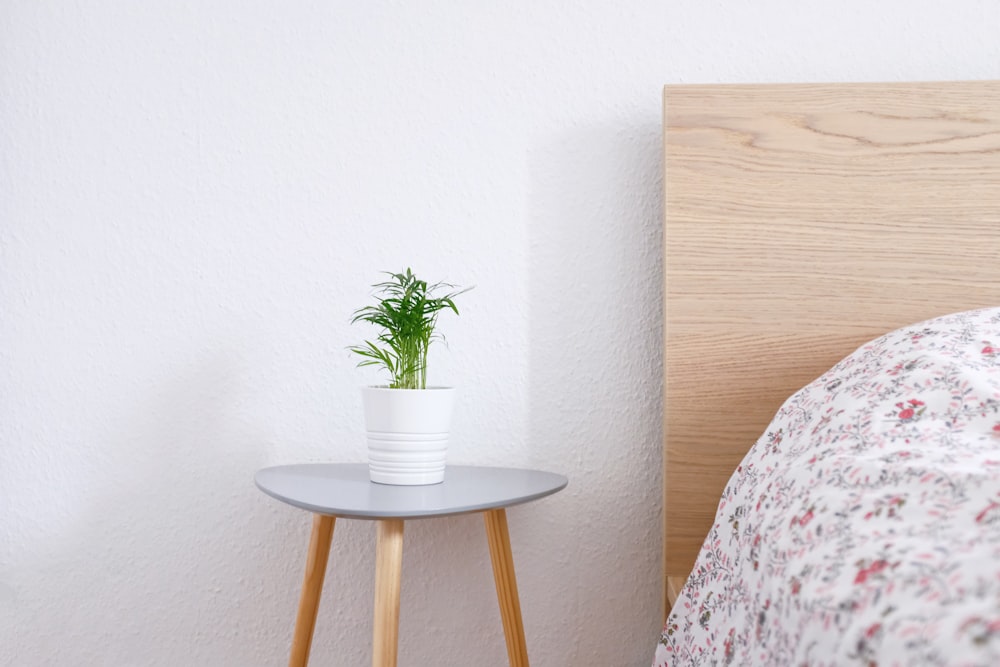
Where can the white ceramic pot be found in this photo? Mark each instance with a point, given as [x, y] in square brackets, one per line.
[407, 433]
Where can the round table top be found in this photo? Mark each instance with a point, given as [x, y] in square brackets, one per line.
[344, 490]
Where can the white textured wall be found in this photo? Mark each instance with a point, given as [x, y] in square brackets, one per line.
[194, 196]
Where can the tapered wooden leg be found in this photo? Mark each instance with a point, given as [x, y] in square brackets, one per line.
[312, 588]
[388, 573]
[503, 575]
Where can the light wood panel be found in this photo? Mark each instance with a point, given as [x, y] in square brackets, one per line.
[312, 588]
[674, 586]
[800, 222]
[388, 576]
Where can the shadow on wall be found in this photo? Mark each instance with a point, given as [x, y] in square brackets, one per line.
[595, 383]
[149, 569]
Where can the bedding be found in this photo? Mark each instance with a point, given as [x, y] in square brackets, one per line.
[863, 527]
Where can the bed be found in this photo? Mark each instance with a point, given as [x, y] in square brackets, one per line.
[803, 224]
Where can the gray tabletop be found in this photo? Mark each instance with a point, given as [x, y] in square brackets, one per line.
[344, 490]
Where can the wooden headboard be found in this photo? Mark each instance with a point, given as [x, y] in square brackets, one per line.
[802, 221]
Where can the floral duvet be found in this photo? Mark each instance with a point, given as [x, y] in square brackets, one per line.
[863, 528]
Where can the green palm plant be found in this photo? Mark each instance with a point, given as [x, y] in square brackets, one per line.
[406, 311]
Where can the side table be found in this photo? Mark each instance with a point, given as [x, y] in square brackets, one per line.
[343, 490]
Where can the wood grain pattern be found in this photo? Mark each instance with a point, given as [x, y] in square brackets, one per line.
[312, 588]
[506, 583]
[388, 576]
[800, 222]
[674, 586]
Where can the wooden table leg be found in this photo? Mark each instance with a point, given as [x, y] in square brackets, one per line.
[388, 573]
[503, 575]
[312, 588]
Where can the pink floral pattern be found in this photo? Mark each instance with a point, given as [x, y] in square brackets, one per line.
[863, 528]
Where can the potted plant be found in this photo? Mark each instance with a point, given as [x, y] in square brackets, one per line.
[407, 422]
